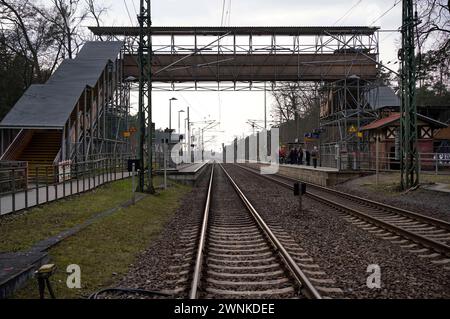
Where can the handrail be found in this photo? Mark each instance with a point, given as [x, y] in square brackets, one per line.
[11, 145]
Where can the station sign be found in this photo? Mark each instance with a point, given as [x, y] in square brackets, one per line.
[352, 129]
[314, 136]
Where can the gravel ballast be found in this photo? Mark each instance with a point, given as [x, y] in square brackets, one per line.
[431, 203]
[343, 250]
[155, 266]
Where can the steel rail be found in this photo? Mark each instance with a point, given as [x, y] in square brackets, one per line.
[420, 217]
[430, 243]
[201, 243]
[307, 287]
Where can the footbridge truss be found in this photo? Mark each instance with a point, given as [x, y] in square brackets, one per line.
[243, 58]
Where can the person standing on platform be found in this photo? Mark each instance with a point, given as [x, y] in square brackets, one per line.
[282, 155]
[315, 156]
[291, 156]
[300, 156]
[308, 157]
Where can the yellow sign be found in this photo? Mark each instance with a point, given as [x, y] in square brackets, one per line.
[360, 134]
[126, 134]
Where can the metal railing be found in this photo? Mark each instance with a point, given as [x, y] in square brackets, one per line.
[439, 163]
[24, 186]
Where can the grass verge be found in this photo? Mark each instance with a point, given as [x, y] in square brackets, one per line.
[105, 250]
[19, 231]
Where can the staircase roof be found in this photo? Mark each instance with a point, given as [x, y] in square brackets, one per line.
[49, 105]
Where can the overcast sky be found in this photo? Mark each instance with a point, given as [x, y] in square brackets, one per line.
[238, 107]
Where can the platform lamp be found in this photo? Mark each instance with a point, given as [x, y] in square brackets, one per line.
[170, 111]
[180, 111]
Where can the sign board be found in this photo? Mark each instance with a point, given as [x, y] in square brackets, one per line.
[126, 134]
[136, 162]
[132, 129]
[64, 170]
[352, 129]
[312, 135]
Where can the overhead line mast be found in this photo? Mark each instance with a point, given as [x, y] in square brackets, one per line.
[145, 97]
[409, 159]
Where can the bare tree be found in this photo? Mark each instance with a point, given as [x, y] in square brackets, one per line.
[96, 11]
[67, 16]
[27, 34]
[434, 27]
[293, 100]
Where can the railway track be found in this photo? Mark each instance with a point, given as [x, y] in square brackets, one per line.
[239, 256]
[426, 236]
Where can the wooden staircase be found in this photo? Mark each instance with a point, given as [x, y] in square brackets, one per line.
[40, 153]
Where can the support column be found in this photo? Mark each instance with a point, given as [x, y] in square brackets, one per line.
[409, 165]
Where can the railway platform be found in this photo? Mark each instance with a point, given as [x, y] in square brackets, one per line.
[186, 173]
[323, 176]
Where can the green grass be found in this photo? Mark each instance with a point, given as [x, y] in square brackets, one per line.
[105, 250]
[20, 231]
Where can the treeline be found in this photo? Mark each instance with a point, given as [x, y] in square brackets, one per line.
[35, 36]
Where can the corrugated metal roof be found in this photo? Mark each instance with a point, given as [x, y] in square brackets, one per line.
[100, 50]
[243, 30]
[50, 105]
[381, 97]
[75, 71]
[43, 106]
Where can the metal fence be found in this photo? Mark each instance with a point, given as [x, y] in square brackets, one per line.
[439, 163]
[26, 186]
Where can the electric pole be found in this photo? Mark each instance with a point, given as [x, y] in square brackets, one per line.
[409, 164]
[145, 97]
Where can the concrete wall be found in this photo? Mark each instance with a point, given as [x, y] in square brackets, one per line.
[322, 177]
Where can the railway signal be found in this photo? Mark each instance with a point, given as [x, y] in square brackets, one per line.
[299, 190]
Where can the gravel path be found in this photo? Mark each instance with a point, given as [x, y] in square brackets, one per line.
[432, 203]
[343, 250]
[156, 267]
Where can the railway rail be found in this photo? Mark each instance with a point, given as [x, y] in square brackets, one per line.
[396, 224]
[239, 255]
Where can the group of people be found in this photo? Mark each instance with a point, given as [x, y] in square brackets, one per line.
[296, 156]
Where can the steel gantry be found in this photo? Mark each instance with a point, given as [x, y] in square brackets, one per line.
[409, 164]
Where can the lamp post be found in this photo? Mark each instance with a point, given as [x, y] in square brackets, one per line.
[170, 111]
[180, 111]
